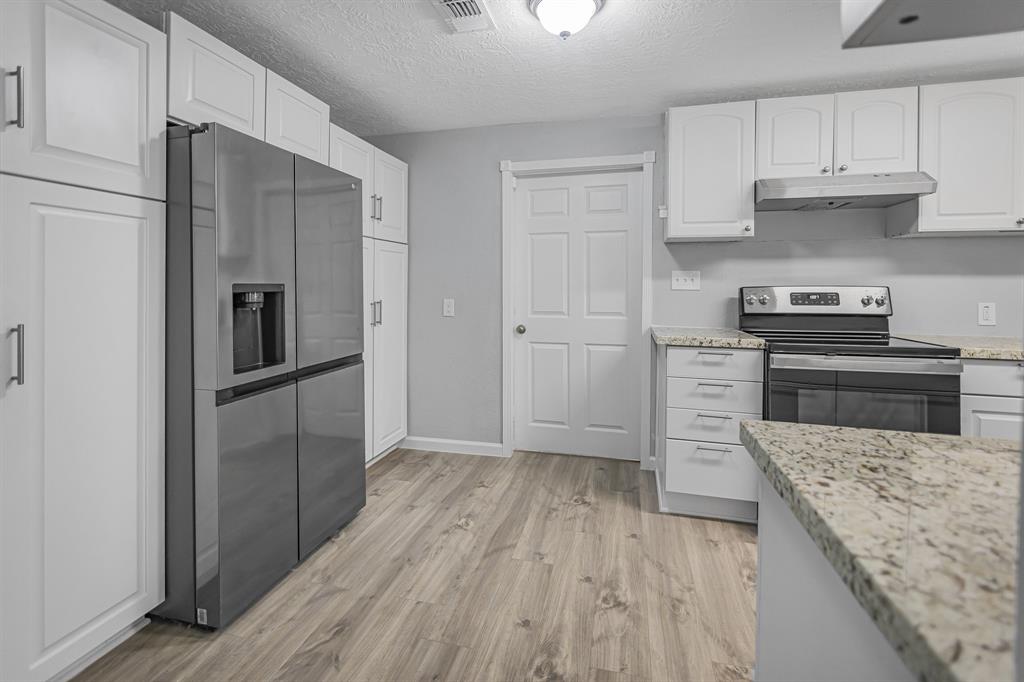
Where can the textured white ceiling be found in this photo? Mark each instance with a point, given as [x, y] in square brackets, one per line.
[389, 66]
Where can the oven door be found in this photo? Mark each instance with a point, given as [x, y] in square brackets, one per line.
[900, 394]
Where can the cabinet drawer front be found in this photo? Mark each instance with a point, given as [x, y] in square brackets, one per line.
[716, 363]
[993, 377]
[715, 394]
[710, 425]
[710, 469]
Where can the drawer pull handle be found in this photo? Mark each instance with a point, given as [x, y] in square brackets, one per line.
[724, 451]
[705, 383]
[701, 415]
[715, 352]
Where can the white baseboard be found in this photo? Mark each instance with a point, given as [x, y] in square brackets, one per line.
[459, 447]
[100, 651]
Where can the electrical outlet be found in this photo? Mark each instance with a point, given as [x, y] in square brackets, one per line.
[987, 314]
[686, 280]
[448, 308]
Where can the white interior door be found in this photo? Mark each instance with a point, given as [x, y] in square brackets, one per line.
[576, 290]
[81, 440]
[369, 322]
[390, 344]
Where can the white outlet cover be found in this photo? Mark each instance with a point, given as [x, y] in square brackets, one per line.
[686, 280]
[448, 307]
[986, 314]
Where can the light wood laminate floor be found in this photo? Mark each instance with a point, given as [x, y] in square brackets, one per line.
[537, 567]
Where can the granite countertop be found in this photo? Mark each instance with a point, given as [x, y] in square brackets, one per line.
[976, 347]
[705, 337]
[922, 528]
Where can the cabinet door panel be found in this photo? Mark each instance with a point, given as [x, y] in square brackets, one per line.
[876, 131]
[390, 346]
[794, 136]
[296, 120]
[972, 143]
[95, 96]
[209, 82]
[354, 156]
[992, 417]
[369, 325]
[391, 180]
[709, 181]
[81, 505]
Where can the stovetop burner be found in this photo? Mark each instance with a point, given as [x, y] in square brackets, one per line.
[836, 320]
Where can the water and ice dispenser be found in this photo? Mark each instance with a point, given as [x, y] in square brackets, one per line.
[258, 326]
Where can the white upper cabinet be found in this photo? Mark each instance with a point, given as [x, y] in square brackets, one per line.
[391, 185]
[296, 120]
[794, 136]
[972, 143]
[354, 156]
[876, 131]
[709, 179]
[209, 82]
[84, 96]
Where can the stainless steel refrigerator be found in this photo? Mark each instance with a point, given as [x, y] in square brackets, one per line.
[264, 445]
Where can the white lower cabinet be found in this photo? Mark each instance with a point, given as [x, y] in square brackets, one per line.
[385, 296]
[992, 400]
[703, 395]
[81, 421]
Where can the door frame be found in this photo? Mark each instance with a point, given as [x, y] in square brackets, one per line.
[642, 162]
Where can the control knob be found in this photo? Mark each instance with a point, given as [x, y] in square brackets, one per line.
[750, 299]
[763, 299]
[867, 300]
[880, 301]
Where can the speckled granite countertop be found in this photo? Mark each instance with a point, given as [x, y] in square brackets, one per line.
[976, 347]
[922, 529]
[705, 337]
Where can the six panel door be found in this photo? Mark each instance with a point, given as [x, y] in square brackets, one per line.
[390, 344]
[296, 120]
[876, 131]
[81, 497]
[972, 143]
[391, 181]
[794, 136]
[709, 178]
[209, 82]
[576, 293]
[354, 156]
[93, 98]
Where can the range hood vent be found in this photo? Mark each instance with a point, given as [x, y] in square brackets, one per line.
[464, 16]
[830, 192]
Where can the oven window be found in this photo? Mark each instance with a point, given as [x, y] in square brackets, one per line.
[802, 403]
[898, 411]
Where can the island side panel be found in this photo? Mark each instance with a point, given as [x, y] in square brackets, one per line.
[809, 625]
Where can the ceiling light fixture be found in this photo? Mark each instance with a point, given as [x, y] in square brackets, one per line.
[564, 17]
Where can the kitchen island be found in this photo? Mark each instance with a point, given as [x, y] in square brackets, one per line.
[883, 554]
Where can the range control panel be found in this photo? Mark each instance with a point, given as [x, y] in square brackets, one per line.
[815, 300]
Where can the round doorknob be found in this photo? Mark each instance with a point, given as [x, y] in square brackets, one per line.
[520, 329]
[844, 168]
[826, 169]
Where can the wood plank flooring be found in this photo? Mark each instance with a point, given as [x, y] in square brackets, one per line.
[537, 567]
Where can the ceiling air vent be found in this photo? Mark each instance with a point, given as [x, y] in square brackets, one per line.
[464, 16]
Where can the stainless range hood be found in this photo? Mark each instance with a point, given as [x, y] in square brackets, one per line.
[829, 192]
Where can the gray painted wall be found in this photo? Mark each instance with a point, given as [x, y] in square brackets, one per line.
[455, 251]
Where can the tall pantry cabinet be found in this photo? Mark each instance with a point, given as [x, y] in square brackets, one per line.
[82, 179]
[385, 285]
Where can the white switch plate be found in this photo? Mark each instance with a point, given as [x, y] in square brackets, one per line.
[448, 308]
[987, 314]
[686, 280]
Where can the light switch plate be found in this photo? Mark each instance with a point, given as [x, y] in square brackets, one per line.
[448, 308]
[686, 280]
[987, 314]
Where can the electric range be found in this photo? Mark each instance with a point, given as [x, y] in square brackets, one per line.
[832, 360]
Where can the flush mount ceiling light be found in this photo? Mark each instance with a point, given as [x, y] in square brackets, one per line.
[564, 17]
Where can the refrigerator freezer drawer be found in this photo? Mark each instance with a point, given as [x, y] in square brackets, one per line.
[332, 471]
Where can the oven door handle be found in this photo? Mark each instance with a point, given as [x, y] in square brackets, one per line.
[853, 363]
